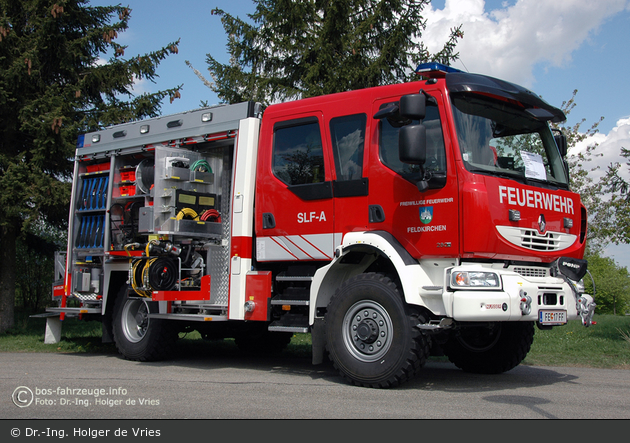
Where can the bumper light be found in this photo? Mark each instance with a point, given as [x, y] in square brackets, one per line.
[474, 279]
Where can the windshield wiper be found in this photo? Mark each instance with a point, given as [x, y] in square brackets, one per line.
[498, 173]
[530, 181]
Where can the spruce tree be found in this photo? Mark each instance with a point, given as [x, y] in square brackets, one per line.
[288, 49]
[54, 84]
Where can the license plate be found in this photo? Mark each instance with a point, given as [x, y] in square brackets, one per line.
[552, 317]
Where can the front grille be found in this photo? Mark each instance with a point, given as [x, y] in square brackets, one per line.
[533, 240]
[549, 299]
[531, 271]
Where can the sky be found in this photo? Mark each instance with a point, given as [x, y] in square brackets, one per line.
[552, 47]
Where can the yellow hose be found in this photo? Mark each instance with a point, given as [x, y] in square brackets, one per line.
[187, 212]
[139, 289]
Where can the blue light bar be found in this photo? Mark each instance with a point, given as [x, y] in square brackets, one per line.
[434, 70]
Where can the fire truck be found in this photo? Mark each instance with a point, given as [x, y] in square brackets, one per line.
[390, 223]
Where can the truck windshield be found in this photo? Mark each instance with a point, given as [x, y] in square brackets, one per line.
[499, 138]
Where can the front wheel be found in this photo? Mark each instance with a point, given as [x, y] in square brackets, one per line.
[372, 337]
[490, 350]
[137, 336]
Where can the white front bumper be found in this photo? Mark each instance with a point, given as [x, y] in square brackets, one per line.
[505, 304]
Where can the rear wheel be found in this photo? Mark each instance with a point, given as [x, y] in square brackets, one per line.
[137, 336]
[490, 350]
[371, 334]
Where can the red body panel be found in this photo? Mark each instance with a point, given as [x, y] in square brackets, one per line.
[202, 294]
[486, 204]
[258, 292]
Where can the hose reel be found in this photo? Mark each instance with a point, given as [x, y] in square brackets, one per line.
[145, 175]
[162, 274]
[154, 274]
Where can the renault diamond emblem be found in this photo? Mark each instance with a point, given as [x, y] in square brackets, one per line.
[542, 224]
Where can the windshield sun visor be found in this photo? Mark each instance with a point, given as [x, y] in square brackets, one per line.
[461, 82]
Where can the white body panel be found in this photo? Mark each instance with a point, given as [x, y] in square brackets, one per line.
[243, 187]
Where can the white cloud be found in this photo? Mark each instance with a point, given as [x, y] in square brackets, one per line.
[142, 86]
[609, 145]
[508, 42]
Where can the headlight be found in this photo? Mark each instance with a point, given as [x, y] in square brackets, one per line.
[475, 279]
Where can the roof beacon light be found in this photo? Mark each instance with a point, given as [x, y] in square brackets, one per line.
[434, 70]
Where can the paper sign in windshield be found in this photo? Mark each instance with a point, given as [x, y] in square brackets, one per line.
[534, 167]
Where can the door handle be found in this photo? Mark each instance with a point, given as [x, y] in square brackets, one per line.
[377, 215]
[269, 222]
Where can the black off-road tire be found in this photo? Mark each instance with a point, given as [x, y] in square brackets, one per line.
[483, 350]
[371, 333]
[137, 336]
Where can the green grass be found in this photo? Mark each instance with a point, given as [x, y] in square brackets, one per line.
[604, 345]
[77, 336]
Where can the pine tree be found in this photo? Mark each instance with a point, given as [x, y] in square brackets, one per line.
[53, 85]
[288, 49]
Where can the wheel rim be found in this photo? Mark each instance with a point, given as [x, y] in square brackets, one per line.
[135, 320]
[367, 331]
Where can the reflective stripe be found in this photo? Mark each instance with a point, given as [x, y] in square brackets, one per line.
[297, 247]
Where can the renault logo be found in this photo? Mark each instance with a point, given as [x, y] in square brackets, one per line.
[542, 224]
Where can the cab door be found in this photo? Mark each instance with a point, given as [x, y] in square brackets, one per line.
[294, 206]
[425, 223]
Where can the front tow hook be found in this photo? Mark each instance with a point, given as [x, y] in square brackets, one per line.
[586, 308]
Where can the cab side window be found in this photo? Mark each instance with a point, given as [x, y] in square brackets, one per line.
[298, 156]
[348, 141]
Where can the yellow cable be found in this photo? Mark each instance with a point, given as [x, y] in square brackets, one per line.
[187, 212]
[145, 272]
[134, 283]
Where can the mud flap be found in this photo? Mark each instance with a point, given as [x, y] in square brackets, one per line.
[318, 339]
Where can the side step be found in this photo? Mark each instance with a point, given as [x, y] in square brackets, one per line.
[290, 323]
[292, 297]
[298, 296]
[284, 277]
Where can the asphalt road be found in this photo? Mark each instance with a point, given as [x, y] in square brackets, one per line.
[104, 386]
